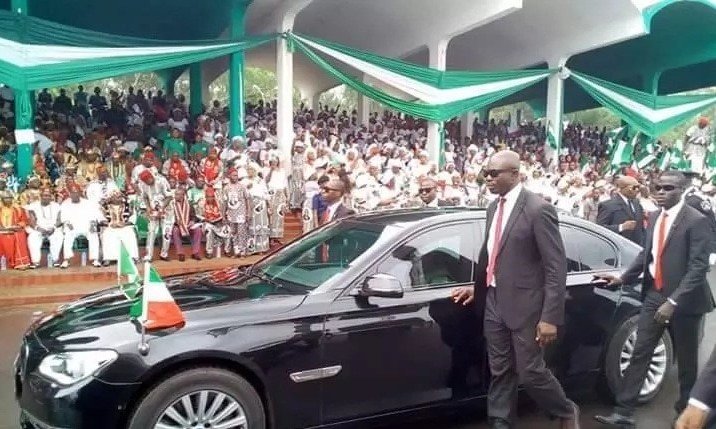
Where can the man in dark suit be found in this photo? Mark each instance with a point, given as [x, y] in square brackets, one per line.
[675, 292]
[622, 213]
[702, 400]
[522, 268]
[428, 195]
[332, 193]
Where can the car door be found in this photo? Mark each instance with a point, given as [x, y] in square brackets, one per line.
[589, 308]
[397, 353]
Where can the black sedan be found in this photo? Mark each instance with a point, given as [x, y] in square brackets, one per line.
[347, 324]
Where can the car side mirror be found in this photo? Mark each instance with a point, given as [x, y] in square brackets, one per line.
[379, 285]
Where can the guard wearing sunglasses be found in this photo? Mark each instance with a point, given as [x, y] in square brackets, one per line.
[674, 292]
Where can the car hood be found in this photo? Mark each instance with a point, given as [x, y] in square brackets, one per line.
[207, 300]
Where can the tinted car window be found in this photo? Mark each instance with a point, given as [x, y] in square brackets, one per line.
[569, 237]
[324, 253]
[441, 256]
[595, 252]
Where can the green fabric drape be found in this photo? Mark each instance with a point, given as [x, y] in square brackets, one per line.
[651, 114]
[33, 30]
[431, 112]
[437, 78]
[53, 75]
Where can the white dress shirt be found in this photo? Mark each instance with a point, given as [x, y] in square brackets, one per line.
[331, 210]
[510, 201]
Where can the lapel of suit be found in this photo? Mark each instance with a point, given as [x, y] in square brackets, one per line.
[490, 218]
[625, 206]
[516, 210]
[649, 239]
[675, 226]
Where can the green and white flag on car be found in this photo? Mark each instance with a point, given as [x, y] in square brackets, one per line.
[128, 278]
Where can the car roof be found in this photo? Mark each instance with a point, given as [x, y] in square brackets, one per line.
[423, 217]
[410, 217]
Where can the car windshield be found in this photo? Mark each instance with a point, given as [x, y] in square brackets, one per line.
[323, 254]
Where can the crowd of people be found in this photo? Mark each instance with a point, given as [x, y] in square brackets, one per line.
[136, 166]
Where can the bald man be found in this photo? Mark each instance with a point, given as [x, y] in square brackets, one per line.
[522, 271]
[623, 213]
[333, 192]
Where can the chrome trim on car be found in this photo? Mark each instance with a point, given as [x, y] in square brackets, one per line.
[315, 374]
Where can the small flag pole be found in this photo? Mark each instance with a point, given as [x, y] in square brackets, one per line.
[143, 347]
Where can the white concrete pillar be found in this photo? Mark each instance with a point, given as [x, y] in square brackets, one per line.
[363, 109]
[438, 55]
[284, 110]
[466, 125]
[363, 106]
[555, 106]
[315, 101]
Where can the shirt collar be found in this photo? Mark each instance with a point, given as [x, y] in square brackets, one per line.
[672, 212]
[513, 194]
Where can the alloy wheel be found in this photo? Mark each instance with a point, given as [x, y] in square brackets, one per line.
[203, 409]
[657, 367]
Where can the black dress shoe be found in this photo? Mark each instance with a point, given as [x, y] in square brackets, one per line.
[498, 423]
[617, 420]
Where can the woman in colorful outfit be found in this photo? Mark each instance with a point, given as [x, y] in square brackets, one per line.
[277, 185]
[237, 202]
[13, 238]
[259, 222]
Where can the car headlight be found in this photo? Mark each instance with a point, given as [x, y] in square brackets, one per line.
[70, 367]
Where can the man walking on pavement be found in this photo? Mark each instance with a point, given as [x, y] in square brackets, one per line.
[522, 268]
[674, 263]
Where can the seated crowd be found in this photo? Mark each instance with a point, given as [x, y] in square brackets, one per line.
[138, 169]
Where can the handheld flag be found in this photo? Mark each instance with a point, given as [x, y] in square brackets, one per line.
[129, 285]
[158, 309]
[622, 154]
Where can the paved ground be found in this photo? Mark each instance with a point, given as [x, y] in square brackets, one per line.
[656, 415]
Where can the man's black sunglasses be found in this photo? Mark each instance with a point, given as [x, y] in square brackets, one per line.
[496, 172]
[425, 190]
[665, 188]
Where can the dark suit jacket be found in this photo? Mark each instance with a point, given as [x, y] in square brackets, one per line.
[705, 388]
[686, 262]
[341, 212]
[614, 212]
[531, 268]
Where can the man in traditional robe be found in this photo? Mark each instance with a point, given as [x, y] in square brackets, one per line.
[158, 199]
[44, 223]
[80, 217]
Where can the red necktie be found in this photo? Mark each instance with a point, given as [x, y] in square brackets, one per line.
[496, 242]
[658, 271]
[326, 217]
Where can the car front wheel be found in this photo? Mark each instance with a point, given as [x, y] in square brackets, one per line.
[200, 398]
[620, 351]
